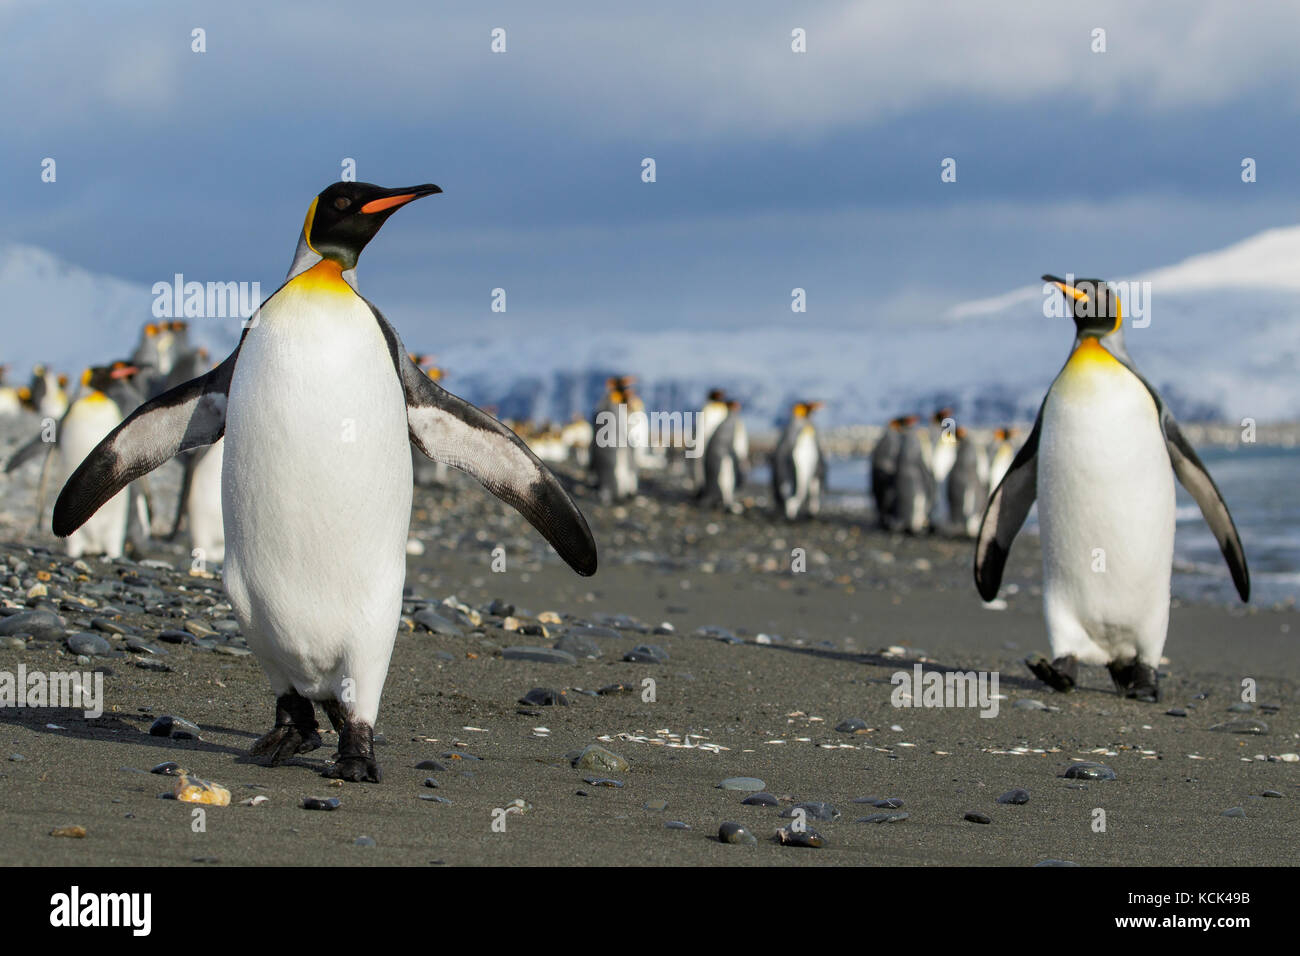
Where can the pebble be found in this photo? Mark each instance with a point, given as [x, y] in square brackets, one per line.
[1240, 707]
[430, 620]
[1029, 703]
[788, 836]
[173, 636]
[815, 810]
[431, 783]
[169, 769]
[748, 784]
[1271, 793]
[13, 643]
[321, 803]
[646, 654]
[92, 645]
[1241, 727]
[618, 688]
[256, 801]
[141, 646]
[974, 817]
[580, 647]
[540, 655]
[177, 728]
[598, 758]
[1233, 812]
[760, 799]
[1176, 712]
[676, 825]
[545, 697]
[1054, 862]
[429, 765]
[40, 624]
[604, 782]
[854, 725]
[657, 806]
[1086, 770]
[1016, 797]
[883, 818]
[365, 841]
[736, 834]
[75, 832]
[193, 790]
[107, 626]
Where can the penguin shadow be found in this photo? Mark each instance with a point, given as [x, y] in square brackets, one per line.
[897, 664]
[129, 729]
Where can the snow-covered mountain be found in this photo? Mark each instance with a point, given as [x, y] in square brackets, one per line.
[1223, 342]
[1219, 336]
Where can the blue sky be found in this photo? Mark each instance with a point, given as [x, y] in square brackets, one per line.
[775, 169]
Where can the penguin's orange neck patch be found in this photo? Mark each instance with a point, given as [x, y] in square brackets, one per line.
[1090, 354]
[325, 276]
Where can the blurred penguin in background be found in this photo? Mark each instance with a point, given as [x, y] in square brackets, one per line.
[11, 403]
[1003, 454]
[726, 462]
[914, 479]
[798, 465]
[612, 462]
[942, 427]
[968, 485]
[576, 437]
[884, 473]
[706, 421]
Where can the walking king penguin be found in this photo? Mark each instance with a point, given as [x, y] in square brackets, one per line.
[1098, 461]
[798, 465]
[318, 404]
[726, 461]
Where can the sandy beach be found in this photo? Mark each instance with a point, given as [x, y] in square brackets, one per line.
[753, 668]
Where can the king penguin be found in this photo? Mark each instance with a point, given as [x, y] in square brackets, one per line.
[726, 461]
[1098, 461]
[106, 394]
[798, 465]
[884, 473]
[913, 479]
[968, 484]
[707, 419]
[318, 404]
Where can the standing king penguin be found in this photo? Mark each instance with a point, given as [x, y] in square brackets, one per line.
[798, 465]
[318, 404]
[1098, 461]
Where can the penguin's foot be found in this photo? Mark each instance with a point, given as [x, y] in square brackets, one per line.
[355, 760]
[1135, 680]
[295, 730]
[1060, 675]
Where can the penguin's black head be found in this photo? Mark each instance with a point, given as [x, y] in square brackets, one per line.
[101, 378]
[1093, 304]
[346, 216]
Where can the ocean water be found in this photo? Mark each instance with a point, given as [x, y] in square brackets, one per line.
[1262, 488]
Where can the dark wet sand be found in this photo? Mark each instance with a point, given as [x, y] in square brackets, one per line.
[662, 563]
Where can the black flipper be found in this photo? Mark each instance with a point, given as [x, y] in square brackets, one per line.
[451, 430]
[188, 416]
[1006, 512]
[29, 451]
[1192, 475]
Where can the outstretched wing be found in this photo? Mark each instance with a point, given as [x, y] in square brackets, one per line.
[1192, 475]
[190, 415]
[451, 430]
[1005, 514]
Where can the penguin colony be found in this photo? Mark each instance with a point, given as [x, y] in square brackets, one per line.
[300, 450]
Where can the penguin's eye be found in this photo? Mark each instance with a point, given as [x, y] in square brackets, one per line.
[342, 203]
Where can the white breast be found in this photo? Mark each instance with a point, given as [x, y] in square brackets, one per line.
[316, 488]
[87, 422]
[1106, 514]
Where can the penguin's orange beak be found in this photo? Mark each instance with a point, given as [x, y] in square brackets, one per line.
[1077, 294]
[124, 372]
[400, 197]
